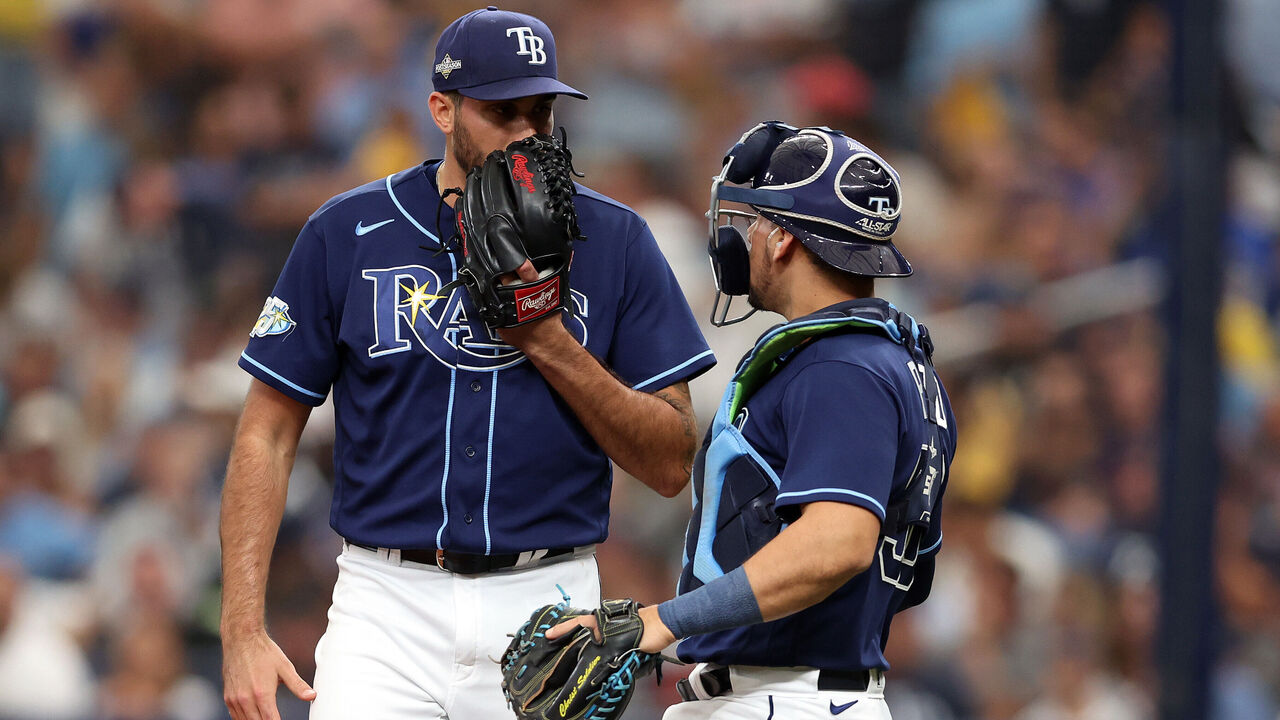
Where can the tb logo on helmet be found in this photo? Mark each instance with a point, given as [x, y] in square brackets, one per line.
[881, 205]
[530, 44]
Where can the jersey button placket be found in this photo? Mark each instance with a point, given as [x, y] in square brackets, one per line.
[476, 386]
[470, 451]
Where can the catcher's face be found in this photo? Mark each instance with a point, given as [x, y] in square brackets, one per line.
[482, 126]
[760, 238]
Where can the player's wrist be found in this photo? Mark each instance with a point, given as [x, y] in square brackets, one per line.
[657, 636]
[236, 631]
[724, 603]
[541, 338]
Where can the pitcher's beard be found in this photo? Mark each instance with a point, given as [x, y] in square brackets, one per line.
[465, 152]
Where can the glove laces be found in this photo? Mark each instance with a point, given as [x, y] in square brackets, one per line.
[553, 155]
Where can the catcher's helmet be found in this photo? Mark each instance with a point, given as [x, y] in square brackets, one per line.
[837, 196]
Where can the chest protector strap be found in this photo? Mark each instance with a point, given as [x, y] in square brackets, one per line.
[734, 487]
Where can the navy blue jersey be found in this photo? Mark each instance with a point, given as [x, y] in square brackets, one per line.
[843, 420]
[446, 436]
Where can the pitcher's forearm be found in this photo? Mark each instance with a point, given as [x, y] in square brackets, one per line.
[253, 498]
[252, 506]
[651, 436]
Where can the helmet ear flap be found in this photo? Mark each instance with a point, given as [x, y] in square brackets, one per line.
[747, 159]
[731, 261]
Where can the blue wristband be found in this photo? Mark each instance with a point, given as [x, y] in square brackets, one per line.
[724, 603]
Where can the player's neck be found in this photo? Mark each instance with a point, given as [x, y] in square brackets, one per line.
[810, 304]
[449, 175]
[810, 292]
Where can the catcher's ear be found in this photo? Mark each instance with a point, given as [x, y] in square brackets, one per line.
[782, 244]
[443, 111]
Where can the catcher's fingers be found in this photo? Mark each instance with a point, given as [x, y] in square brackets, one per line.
[566, 627]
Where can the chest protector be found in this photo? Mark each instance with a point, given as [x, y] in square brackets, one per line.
[735, 488]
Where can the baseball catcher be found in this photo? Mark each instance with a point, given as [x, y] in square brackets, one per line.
[518, 207]
[580, 676]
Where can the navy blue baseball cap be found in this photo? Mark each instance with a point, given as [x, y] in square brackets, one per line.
[494, 54]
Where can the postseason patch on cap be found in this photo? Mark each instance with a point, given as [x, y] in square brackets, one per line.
[447, 65]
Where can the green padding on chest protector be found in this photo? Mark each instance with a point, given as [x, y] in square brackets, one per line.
[766, 358]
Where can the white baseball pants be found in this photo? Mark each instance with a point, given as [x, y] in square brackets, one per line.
[407, 641]
[761, 693]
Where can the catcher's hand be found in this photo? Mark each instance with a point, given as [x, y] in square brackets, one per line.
[577, 676]
[518, 207]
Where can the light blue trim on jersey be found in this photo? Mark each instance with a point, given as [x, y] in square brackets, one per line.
[448, 441]
[932, 547]
[404, 212]
[678, 368]
[448, 418]
[838, 491]
[488, 464]
[280, 377]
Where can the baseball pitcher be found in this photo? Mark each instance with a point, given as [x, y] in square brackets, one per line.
[492, 334]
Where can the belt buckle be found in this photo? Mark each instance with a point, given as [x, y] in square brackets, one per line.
[440, 559]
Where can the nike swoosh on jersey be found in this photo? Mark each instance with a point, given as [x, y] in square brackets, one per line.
[361, 228]
[837, 709]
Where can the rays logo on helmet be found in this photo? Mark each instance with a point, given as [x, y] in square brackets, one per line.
[274, 319]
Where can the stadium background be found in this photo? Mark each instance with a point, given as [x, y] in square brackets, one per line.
[157, 158]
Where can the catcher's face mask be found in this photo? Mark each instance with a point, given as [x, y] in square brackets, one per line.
[727, 245]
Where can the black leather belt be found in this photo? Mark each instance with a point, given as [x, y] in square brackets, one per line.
[471, 564]
[715, 682]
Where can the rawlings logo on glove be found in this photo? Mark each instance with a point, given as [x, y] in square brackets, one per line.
[518, 207]
[520, 172]
[537, 300]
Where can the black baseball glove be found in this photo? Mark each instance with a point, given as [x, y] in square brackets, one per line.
[518, 206]
[576, 677]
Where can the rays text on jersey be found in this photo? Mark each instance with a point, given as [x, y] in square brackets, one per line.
[408, 309]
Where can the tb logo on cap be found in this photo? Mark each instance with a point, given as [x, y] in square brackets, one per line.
[530, 44]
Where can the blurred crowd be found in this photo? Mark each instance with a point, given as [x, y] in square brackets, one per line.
[157, 158]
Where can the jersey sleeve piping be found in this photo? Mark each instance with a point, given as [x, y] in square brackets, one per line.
[644, 385]
[258, 370]
[932, 547]
[836, 494]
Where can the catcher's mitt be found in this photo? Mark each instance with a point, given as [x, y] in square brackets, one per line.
[575, 677]
[518, 206]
